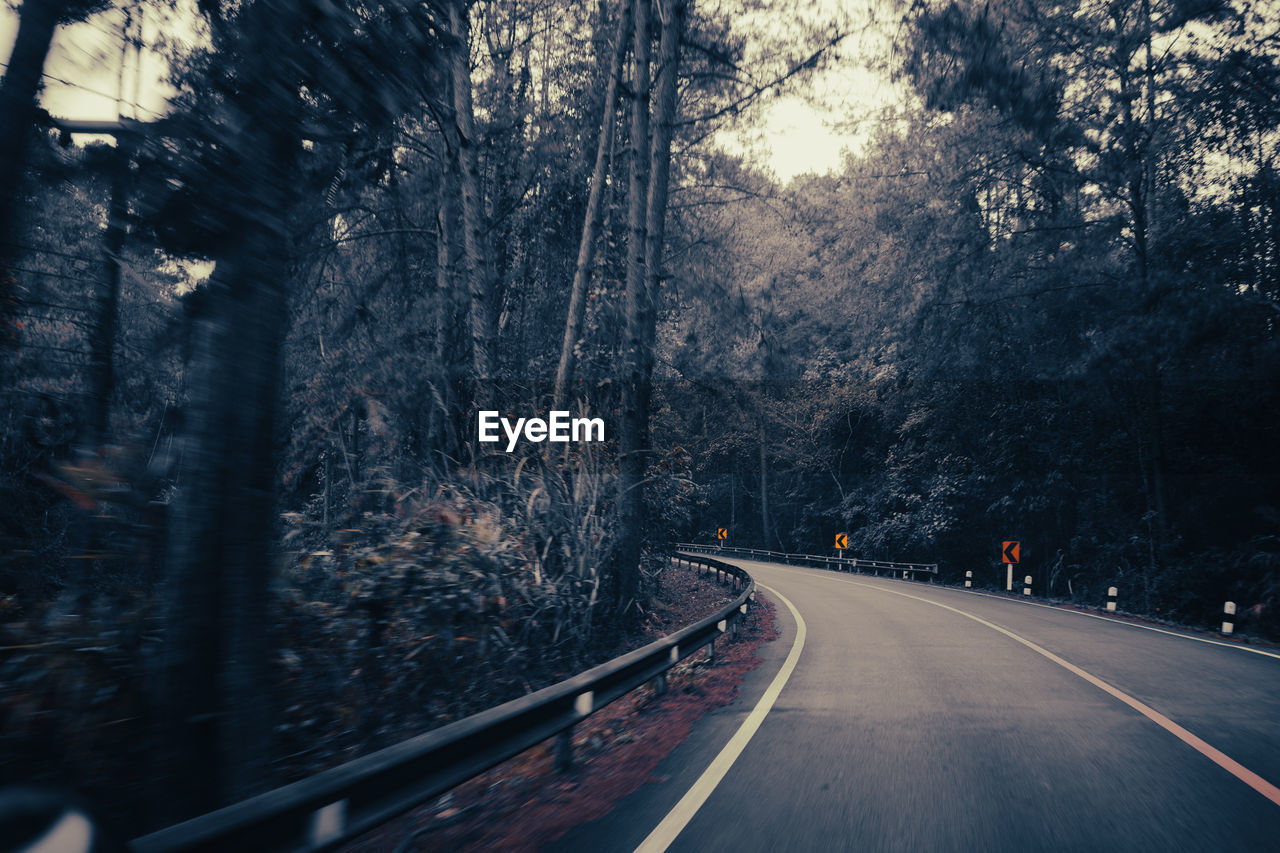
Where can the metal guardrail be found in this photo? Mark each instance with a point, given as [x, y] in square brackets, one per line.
[343, 802]
[847, 564]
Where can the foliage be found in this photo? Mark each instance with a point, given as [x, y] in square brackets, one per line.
[437, 602]
[1019, 315]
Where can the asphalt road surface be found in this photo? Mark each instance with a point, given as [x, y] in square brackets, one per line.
[907, 716]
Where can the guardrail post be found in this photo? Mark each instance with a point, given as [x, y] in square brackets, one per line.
[1228, 612]
[1026, 585]
[968, 579]
[1111, 599]
[660, 684]
[564, 750]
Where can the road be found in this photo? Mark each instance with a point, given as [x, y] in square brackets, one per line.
[916, 717]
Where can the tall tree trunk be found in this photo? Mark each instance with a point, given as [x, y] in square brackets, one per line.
[1271, 226]
[765, 523]
[449, 312]
[37, 23]
[509, 116]
[594, 215]
[453, 336]
[1158, 462]
[1149, 131]
[217, 655]
[635, 386]
[401, 225]
[644, 275]
[733, 498]
[1135, 188]
[672, 13]
[217, 652]
[357, 454]
[328, 480]
[102, 340]
[473, 219]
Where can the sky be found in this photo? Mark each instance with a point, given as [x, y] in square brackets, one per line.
[83, 71]
[811, 129]
[794, 134]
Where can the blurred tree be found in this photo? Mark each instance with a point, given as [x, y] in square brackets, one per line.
[19, 115]
[279, 64]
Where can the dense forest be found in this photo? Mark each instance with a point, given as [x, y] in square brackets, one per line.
[1040, 307]
[246, 517]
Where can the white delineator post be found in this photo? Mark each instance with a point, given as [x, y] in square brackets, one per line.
[968, 579]
[1026, 585]
[1228, 613]
[1008, 581]
[1111, 599]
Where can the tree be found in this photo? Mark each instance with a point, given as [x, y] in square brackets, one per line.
[280, 63]
[104, 335]
[38, 21]
[635, 376]
[474, 226]
[595, 209]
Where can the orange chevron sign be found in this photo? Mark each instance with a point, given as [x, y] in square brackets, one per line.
[722, 533]
[1010, 552]
[842, 541]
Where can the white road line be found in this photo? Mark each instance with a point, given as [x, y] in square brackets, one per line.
[1235, 768]
[678, 818]
[1237, 646]
[1114, 621]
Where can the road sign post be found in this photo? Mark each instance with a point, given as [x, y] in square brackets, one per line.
[1010, 553]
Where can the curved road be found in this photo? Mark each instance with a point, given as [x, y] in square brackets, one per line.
[915, 717]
